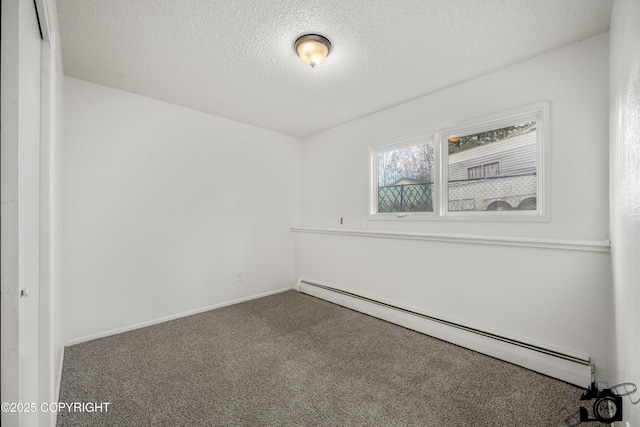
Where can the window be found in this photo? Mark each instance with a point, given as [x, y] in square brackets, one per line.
[484, 171]
[475, 172]
[491, 168]
[405, 178]
[490, 186]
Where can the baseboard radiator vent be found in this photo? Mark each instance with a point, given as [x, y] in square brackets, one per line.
[574, 369]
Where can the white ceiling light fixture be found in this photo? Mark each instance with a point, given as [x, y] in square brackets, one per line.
[312, 48]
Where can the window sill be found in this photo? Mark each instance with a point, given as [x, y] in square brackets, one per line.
[492, 216]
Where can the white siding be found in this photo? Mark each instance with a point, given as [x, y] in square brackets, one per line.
[516, 155]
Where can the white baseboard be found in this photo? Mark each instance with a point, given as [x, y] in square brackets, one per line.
[103, 334]
[577, 372]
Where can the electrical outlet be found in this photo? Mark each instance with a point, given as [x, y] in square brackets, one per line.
[239, 275]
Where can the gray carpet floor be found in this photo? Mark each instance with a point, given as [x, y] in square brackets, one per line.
[294, 360]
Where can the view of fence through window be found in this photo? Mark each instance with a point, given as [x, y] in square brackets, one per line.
[405, 179]
[493, 170]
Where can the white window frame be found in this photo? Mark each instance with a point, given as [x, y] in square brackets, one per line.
[538, 112]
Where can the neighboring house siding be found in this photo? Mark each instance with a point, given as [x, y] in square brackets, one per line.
[516, 156]
[496, 176]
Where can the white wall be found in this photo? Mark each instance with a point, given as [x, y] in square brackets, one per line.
[31, 92]
[51, 313]
[163, 205]
[558, 298]
[625, 194]
[19, 81]
[57, 240]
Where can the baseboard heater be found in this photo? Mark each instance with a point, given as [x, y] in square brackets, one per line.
[572, 368]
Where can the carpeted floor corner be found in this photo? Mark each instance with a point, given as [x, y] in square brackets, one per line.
[294, 360]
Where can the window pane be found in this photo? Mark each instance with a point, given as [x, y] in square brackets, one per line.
[476, 172]
[493, 170]
[405, 179]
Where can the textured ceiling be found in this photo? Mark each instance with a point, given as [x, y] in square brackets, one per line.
[235, 58]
